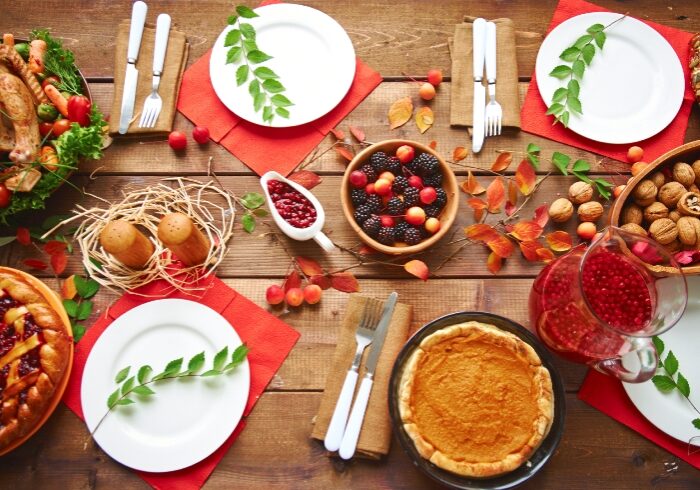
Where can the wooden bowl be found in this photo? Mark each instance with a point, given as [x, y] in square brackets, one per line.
[449, 184]
[686, 153]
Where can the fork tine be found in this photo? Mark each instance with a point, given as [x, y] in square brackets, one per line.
[499, 125]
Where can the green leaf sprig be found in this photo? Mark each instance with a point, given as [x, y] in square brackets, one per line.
[80, 307]
[580, 169]
[252, 203]
[263, 83]
[666, 382]
[577, 57]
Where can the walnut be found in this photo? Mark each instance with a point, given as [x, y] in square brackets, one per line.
[689, 204]
[674, 246]
[561, 210]
[688, 230]
[674, 215]
[654, 211]
[658, 178]
[696, 169]
[683, 173]
[634, 228]
[580, 192]
[590, 211]
[663, 231]
[645, 193]
[632, 214]
[694, 188]
[670, 193]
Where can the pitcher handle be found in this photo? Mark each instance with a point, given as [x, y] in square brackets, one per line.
[324, 241]
[644, 354]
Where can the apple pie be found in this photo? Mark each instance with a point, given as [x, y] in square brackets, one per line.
[476, 400]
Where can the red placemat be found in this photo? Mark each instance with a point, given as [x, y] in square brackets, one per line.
[607, 395]
[268, 337]
[264, 148]
[535, 121]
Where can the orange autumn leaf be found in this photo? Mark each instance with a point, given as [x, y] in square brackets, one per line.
[525, 178]
[493, 263]
[512, 193]
[433, 144]
[424, 119]
[306, 178]
[400, 112]
[545, 254]
[345, 282]
[471, 185]
[478, 214]
[526, 230]
[559, 241]
[324, 282]
[292, 281]
[357, 133]
[495, 195]
[541, 215]
[68, 289]
[480, 232]
[344, 152]
[502, 162]
[309, 266]
[501, 246]
[476, 203]
[418, 269]
[529, 250]
[59, 262]
[510, 208]
[338, 133]
[459, 153]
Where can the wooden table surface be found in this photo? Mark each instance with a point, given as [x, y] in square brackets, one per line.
[400, 39]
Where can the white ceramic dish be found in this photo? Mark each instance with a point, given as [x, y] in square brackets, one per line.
[633, 88]
[312, 54]
[186, 420]
[670, 412]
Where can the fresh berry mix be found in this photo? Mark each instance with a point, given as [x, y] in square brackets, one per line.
[402, 199]
[296, 209]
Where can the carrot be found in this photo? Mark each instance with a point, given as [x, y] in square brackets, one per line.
[49, 158]
[8, 39]
[37, 50]
[57, 98]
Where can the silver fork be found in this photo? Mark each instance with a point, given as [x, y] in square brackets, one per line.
[153, 103]
[494, 113]
[363, 337]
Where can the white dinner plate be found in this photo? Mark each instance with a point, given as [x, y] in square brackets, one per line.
[670, 412]
[187, 419]
[312, 54]
[633, 88]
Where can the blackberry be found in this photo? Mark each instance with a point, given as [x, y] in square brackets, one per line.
[358, 197]
[411, 197]
[432, 211]
[441, 198]
[412, 166]
[400, 229]
[378, 161]
[395, 206]
[374, 202]
[400, 183]
[362, 213]
[369, 171]
[427, 164]
[371, 225]
[393, 165]
[412, 236]
[433, 180]
[386, 235]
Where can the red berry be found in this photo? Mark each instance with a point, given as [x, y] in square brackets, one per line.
[428, 195]
[635, 154]
[312, 294]
[427, 91]
[177, 140]
[432, 225]
[358, 179]
[382, 187]
[387, 176]
[200, 134]
[405, 153]
[415, 216]
[586, 230]
[294, 297]
[387, 221]
[415, 181]
[274, 295]
[435, 77]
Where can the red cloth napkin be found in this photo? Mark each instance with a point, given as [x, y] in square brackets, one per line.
[268, 338]
[260, 147]
[607, 395]
[535, 121]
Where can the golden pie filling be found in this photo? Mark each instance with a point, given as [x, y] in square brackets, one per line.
[476, 400]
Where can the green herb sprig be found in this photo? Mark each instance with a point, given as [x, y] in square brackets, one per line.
[252, 203]
[264, 85]
[60, 62]
[666, 383]
[80, 307]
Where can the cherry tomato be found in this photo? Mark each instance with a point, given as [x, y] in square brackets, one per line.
[60, 127]
[45, 128]
[200, 134]
[177, 140]
[52, 80]
[5, 196]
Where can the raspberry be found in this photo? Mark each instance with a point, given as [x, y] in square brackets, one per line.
[371, 225]
[370, 172]
[393, 165]
[441, 198]
[378, 161]
[411, 196]
[386, 235]
[400, 183]
[412, 236]
[427, 164]
[395, 206]
[362, 213]
[433, 180]
[432, 211]
[358, 197]
[374, 202]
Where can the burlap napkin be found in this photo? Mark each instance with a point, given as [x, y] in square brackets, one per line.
[462, 87]
[175, 60]
[375, 437]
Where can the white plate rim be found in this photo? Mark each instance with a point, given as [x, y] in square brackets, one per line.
[98, 382]
[670, 66]
[344, 55]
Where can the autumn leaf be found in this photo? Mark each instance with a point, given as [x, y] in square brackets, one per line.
[472, 186]
[476, 203]
[545, 254]
[59, 262]
[357, 133]
[478, 214]
[493, 263]
[529, 250]
[503, 161]
[324, 282]
[559, 241]
[418, 269]
[512, 193]
[526, 231]
[23, 236]
[510, 208]
[459, 153]
[338, 133]
[292, 281]
[367, 250]
[501, 246]
[35, 264]
[433, 144]
[495, 195]
[68, 289]
[306, 178]
[541, 215]
[525, 178]
[400, 112]
[424, 119]
[480, 232]
[53, 247]
[345, 282]
[344, 152]
[309, 266]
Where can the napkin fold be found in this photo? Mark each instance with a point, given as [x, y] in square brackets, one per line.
[375, 436]
[536, 122]
[173, 67]
[606, 394]
[462, 89]
[270, 340]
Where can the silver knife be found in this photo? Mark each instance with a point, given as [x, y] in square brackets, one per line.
[352, 430]
[479, 44]
[138, 19]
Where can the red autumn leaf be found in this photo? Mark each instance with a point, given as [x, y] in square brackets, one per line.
[345, 282]
[529, 250]
[367, 250]
[459, 153]
[545, 254]
[478, 214]
[418, 269]
[512, 193]
[338, 133]
[357, 133]
[476, 203]
[494, 263]
[480, 232]
[525, 178]
[541, 216]
[687, 257]
[526, 230]
[324, 282]
[35, 264]
[502, 162]
[306, 178]
[59, 262]
[559, 241]
[23, 236]
[508, 228]
[53, 247]
[472, 186]
[501, 246]
[433, 144]
[309, 266]
[495, 195]
[292, 281]
[510, 208]
[344, 152]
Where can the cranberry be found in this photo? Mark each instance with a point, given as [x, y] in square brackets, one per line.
[294, 208]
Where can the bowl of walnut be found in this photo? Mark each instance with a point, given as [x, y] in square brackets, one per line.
[663, 202]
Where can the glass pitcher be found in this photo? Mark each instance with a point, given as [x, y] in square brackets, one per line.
[600, 305]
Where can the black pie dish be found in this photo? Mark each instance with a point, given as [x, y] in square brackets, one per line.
[539, 457]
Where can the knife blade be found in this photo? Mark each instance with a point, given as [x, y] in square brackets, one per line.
[138, 20]
[479, 43]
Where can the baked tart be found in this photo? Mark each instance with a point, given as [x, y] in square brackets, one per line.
[476, 400]
[35, 347]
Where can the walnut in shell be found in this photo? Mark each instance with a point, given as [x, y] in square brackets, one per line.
[694, 188]
[696, 169]
[561, 210]
[634, 228]
[674, 246]
[674, 215]
[658, 178]
[590, 211]
[670, 193]
[689, 204]
[632, 214]
[683, 173]
[645, 193]
[663, 231]
[688, 230]
[654, 211]
[580, 192]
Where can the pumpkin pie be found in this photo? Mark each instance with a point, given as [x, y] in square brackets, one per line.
[476, 400]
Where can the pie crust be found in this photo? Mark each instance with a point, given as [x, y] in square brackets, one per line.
[476, 400]
[34, 351]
